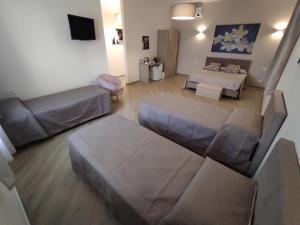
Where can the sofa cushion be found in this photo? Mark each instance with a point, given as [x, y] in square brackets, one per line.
[216, 195]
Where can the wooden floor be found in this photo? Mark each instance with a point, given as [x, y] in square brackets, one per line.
[51, 192]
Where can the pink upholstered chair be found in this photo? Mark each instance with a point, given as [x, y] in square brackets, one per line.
[111, 83]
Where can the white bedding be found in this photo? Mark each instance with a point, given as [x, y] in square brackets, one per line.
[230, 81]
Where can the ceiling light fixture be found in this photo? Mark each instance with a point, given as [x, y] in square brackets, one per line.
[184, 11]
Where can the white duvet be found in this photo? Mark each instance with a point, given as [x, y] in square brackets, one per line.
[231, 81]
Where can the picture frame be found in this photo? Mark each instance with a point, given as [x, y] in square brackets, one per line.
[146, 42]
[235, 38]
[118, 37]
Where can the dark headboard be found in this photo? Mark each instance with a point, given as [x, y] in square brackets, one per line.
[245, 64]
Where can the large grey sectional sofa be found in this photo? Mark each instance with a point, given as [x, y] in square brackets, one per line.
[35, 119]
[149, 180]
[236, 137]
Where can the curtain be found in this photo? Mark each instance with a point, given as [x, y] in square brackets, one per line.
[283, 52]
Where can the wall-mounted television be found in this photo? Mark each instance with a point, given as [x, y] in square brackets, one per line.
[82, 28]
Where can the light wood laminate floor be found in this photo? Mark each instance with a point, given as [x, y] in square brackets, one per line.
[51, 192]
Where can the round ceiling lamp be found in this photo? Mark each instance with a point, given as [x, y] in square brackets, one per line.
[184, 11]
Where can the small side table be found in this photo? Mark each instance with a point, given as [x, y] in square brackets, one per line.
[144, 72]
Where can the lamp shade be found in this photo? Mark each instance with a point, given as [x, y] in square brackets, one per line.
[186, 11]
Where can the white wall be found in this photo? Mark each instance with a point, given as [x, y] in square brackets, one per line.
[11, 208]
[37, 54]
[143, 18]
[193, 52]
[115, 53]
[289, 84]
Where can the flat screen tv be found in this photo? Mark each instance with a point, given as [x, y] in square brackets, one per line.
[82, 28]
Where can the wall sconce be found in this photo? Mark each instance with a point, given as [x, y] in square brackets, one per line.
[279, 30]
[118, 17]
[201, 30]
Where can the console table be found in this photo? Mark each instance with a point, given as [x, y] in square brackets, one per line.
[144, 72]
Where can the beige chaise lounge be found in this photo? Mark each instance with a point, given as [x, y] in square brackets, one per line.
[149, 180]
[237, 137]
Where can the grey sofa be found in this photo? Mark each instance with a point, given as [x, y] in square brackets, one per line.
[237, 137]
[149, 180]
[35, 119]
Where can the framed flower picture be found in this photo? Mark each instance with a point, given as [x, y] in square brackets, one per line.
[237, 38]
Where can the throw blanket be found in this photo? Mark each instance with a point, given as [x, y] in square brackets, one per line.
[236, 141]
[228, 136]
[230, 81]
[187, 122]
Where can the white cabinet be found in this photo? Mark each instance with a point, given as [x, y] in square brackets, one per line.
[156, 72]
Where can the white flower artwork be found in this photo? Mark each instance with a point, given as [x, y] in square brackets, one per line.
[235, 38]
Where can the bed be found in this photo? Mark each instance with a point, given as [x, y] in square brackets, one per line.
[149, 180]
[233, 83]
[61, 111]
[234, 136]
[39, 118]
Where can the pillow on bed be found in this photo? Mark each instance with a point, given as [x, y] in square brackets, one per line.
[216, 195]
[213, 67]
[233, 68]
[223, 69]
[242, 71]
